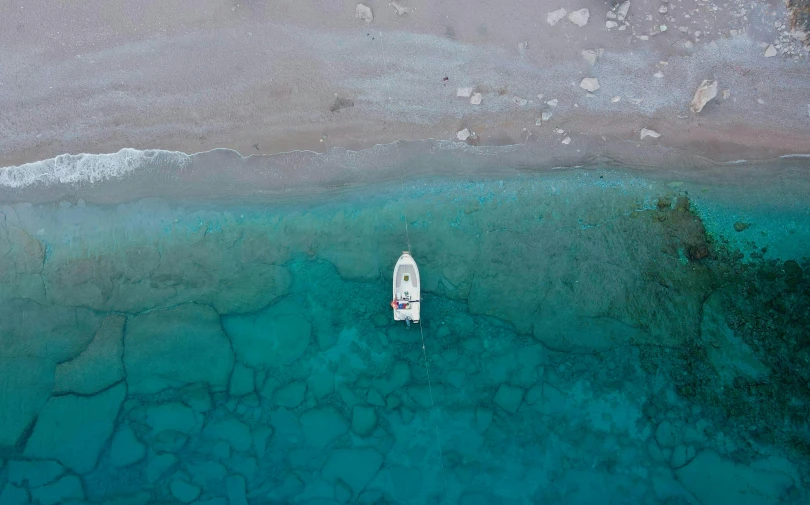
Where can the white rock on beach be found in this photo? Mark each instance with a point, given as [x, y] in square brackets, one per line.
[464, 92]
[476, 99]
[364, 12]
[463, 134]
[590, 55]
[649, 133]
[519, 101]
[705, 92]
[589, 84]
[566, 140]
[580, 17]
[770, 51]
[553, 103]
[621, 12]
[611, 24]
[616, 99]
[399, 9]
[555, 17]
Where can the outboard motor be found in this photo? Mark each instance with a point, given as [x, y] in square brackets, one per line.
[408, 322]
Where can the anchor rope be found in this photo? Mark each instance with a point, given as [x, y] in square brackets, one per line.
[408, 239]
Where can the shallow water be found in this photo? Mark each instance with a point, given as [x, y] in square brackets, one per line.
[587, 340]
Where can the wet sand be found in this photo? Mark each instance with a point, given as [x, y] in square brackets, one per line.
[263, 78]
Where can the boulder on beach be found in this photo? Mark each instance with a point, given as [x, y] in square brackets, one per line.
[705, 92]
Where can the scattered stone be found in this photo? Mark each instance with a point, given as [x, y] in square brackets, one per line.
[322, 425]
[184, 491]
[73, 429]
[649, 133]
[291, 395]
[364, 420]
[523, 46]
[663, 9]
[662, 28]
[400, 10]
[464, 92]
[341, 103]
[611, 15]
[355, 467]
[771, 51]
[65, 489]
[579, 17]
[611, 24]
[740, 226]
[658, 75]
[476, 99]
[552, 103]
[364, 12]
[33, 473]
[235, 489]
[159, 466]
[463, 135]
[99, 366]
[591, 55]
[616, 99]
[545, 117]
[705, 92]
[589, 84]
[154, 340]
[519, 101]
[556, 16]
[232, 430]
[125, 448]
[621, 12]
[173, 417]
[726, 94]
[559, 131]
[566, 140]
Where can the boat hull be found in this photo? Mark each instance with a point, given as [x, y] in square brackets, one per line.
[407, 290]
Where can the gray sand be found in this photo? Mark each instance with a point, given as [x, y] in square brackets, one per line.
[263, 77]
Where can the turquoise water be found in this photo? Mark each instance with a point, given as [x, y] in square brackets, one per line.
[586, 340]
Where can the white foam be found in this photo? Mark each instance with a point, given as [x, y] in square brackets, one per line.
[87, 168]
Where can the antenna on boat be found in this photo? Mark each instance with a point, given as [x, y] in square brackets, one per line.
[408, 251]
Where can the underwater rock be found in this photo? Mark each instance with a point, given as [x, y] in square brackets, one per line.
[242, 380]
[261, 436]
[125, 448]
[356, 467]
[508, 398]
[25, 386]
[184, 491]
[364, 420]
[231, 430]
[33, 473]
[235, 489]
[64, 490]
[159, 466]
[714, 479]
[322, 425]
[251, 288]
[97, 367]
[13, 495]
[173, 417]
[705, 92]
[154, 340]
[740, 226]
[290, 395]
[73, 429]
[268, 338]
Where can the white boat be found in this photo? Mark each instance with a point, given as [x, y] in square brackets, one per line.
[407, 290]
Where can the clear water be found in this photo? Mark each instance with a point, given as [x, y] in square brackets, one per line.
[584, 336]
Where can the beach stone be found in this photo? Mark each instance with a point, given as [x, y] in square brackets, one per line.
[356, 467]
[364, 420]
[646, 132]
[73, 429]
[67, 488]
[460, 93]
[268, 338]
[290, 395]
[771, 51]
[555, 17]
[364, 13]
[154, 342]
[714, 479]
[125, 448]
[463, 134]
[508, 398]
[13, 495]
[97, 367]
[579, 17]
[621, 12]
[322, 425]
[590, 84]
[231, 430]
[184, 491]
[261, 436]
[242, 380]
[476, 99]
[159, 466]
[590, 55]
[665, 434]
[235, 489]
[173, 416]
[33, 473]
